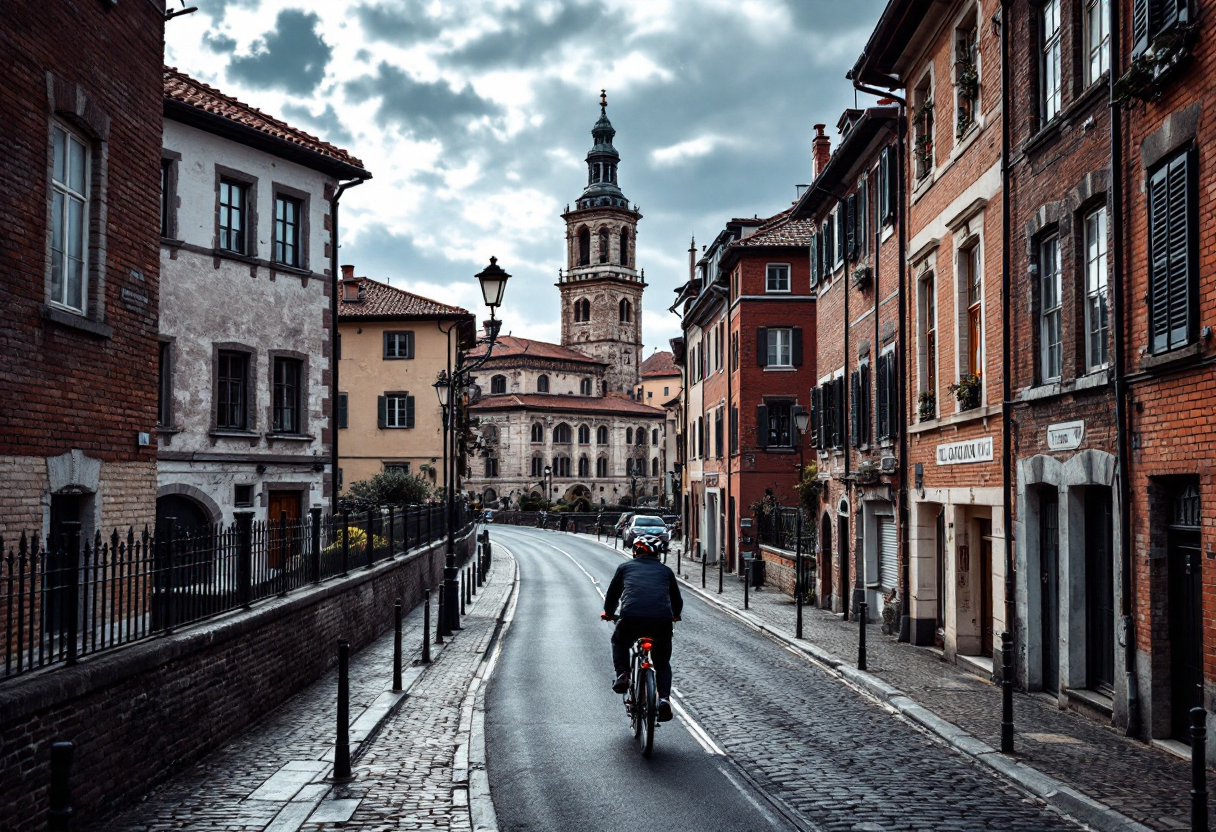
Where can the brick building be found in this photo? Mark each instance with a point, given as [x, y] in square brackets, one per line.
[79, 265]
[944, 60]
[856, 418]
[1165, 265]
[749, 332]
[245, 324]
[1065, 449]
[660, 386]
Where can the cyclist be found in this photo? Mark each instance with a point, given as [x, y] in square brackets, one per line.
[650, 602]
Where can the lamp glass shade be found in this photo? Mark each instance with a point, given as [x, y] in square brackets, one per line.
[493, 283]
[802, 420]
[548, 470]
[442, 388]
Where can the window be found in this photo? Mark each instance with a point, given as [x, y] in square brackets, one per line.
[603, 245]
[1152, 17]
[398, 345]
[69, 219]
[489, 433]
[402, 468]
[343, 410]
[232, 221]
[562, 433]
[839, 223]
[860, 414]
[166, 198]
[779, 345]
[498, 385]
[1049, 61]
[491, 467]
[776, 424]
[718, 443]
[667, 390]
[542, 384]
[922, 127]
[1051, 352]
[242, 496]
[584, 467]
[624, 247]
[287, 231]
[1097, 39]
[1097, 309]
[601, 435]
[628, 436]
[888, 185]
[969, 275]
[164, 390]
[584, 387]
[232, 406]
[966, 79]
[640, 434]
[654, 436]
[777, 277]
[584, 246]
[582, 310]
[827, 409]
[626, 310]
[287, 394]
[889, 410]
[601, 467]
[928, 307]
[654, 467]
[561, 466]
[862, 230]
[396, 410]
[628, 467]
[538, 467]
[538, 432]
[1172, 243]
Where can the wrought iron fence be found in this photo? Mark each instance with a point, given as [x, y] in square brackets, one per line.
[779, 528]
[74, 596]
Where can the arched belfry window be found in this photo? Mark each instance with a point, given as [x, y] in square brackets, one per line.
[584, 246]
[582, 310]
[626, 311]
[542, 384]
[601, 435]
[624, 246]
[603, 245]
[498, 385]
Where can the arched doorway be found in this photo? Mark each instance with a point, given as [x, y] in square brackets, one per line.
[184, 554]
[825, 562]
[489, 498]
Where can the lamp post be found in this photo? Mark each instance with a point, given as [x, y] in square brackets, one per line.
[493, 282]
[802, 420]
[548, 486]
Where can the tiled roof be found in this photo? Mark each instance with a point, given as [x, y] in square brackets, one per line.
[779, 230]
[510, 346]
[574, 404]
[660, 364]
[182, 88]
[379, 300]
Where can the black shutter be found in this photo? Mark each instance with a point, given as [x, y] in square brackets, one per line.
[867, 414]
[409, 410]
[381, 411]
[855, 410]
[796, 346]
[892, 163]
[1181, 271]
[884, 414]
[1140, 24]
[895, 408]
[851, 241]
[762, 346]
[1159, 260]
[762, 425]
[409, 344]
[863, 226]
[343, 409]
[816, 415]
[841, 405]
[814, 260]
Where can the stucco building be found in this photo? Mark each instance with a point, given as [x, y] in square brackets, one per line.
[245, 323]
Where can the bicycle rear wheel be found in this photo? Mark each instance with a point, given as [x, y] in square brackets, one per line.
[649, 708]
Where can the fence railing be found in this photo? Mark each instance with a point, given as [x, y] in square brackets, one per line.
[779, 528]
[73, 596]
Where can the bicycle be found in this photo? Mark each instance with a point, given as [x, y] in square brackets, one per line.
[641, 698]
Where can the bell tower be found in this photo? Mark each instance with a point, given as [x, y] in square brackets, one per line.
[601, 288]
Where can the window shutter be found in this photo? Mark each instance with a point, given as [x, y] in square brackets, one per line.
[796, 346]
[851, 227]
[343, 410]
[884, 424]
[892, 163]
[855, 410]
[814, 260]
[409, 344]
[816, 415]
[409, 408]
[863, 216]
[867, 412]
[381, 411]
[895, 409]
[1159, 262]
[762, 425]
[1181, 201]
[840, 414]
[762, 346]
[1140, 23]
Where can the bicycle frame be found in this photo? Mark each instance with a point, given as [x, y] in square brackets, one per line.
[641, 699]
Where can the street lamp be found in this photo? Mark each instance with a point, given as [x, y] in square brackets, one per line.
[802, 420]
[493, 285]
[548, 484]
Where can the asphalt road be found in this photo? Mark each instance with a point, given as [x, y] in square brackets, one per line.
[762, 740]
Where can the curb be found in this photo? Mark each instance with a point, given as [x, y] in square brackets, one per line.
[1052, 791]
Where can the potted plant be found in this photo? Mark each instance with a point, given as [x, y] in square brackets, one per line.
[967, 80]
[862, 276]
[927, 405]
[967, 391]
[867, 472]
[890, 612]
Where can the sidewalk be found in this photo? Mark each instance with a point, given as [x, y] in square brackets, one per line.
[410, 750]
[1086, 768]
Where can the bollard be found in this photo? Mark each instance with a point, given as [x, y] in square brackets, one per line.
[747, 571]
[1006, 693]
[474, 581]
[426, 626]
[397, 646]
[863, 612]
[721, 568]
[60, 815]
[702, 566]
[439, 617]
[679, 556]
[798, 590]
[342, 749]
[464, 588]
[1199, 771]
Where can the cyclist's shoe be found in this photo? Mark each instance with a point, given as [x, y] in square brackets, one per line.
[621, 684]
[664, 711]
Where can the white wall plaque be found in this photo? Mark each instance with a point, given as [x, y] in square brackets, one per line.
[1065, 436]
[973, 450]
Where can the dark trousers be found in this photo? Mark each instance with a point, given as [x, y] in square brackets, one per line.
[658, 630]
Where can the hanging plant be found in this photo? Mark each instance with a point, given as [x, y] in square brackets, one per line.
[923, 149]
[863, 275]
[967, 391]
[1150, 72]
[927, 406]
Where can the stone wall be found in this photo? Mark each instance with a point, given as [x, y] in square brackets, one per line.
[143, 713]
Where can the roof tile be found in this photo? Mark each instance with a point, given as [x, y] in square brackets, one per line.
[380, 300]
[508, 346]
[660, 364]
[578, 404]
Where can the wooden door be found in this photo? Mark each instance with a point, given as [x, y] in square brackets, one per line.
[1049, 587]
[1099, 591]
[280, 539]
[825, 564]
[1185, 613]
[984, 527]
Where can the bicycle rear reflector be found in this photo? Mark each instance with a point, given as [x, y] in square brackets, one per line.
[647, 644]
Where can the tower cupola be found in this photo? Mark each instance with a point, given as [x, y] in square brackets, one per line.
[602, 190]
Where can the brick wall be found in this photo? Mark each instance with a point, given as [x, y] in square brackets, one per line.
[143, 713]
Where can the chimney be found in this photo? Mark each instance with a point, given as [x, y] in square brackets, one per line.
[823, 149]
[348, 272]
[350, 285]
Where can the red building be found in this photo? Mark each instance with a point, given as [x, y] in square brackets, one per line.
[749, 336]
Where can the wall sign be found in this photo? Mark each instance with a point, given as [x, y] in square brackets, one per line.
[973, 450]
[1065, 436]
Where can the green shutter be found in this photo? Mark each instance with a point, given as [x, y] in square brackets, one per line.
[815, 260]
[381, 411]
[409, 409]
[1181, 270]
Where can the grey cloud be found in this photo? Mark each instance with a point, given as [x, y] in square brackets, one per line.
[216, 9]
[401, 24]
[219, 43]
[525, 38]
[425, 108]
[327, 123]
[292, 56]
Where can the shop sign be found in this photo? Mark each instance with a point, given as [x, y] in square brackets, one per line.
[1065, 436]
[973, 450]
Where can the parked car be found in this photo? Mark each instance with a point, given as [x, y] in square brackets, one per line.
[646, 524]
[488, 516]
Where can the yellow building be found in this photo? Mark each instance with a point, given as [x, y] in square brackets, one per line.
[392, 346]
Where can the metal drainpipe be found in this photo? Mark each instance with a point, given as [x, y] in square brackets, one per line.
[1122, 414]
[1006, 334]
[335, 287]
[905, 622]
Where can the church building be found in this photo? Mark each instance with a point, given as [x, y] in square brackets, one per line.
[558, 421]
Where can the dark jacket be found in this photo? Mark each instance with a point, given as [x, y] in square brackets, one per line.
[645, 588]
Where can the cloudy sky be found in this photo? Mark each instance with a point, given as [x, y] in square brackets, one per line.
[474, 117]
